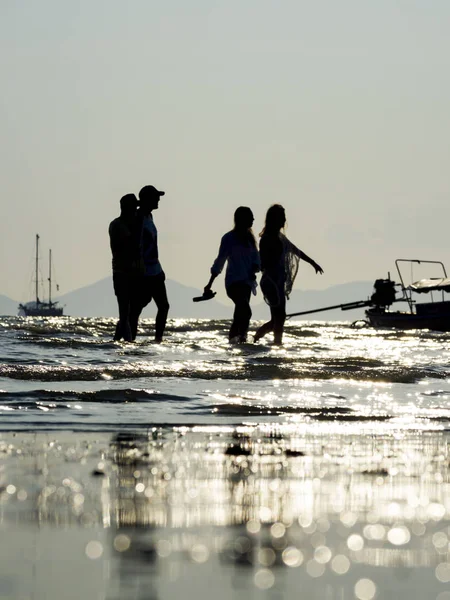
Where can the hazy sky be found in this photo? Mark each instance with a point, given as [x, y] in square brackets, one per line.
[338, 110]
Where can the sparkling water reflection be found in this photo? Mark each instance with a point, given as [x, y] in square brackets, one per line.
[66, 373]
[195, 467]
[348, 514]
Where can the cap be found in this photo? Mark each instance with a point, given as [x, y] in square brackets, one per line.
[148, 191]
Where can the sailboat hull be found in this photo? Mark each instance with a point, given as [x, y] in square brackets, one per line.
[41, 309]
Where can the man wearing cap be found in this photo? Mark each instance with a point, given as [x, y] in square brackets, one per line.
[152, 285]
[127, 264]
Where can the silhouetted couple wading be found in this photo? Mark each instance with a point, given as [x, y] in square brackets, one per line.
[138, 277]
[278, 259]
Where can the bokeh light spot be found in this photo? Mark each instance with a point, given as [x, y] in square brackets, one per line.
[122, 543]
[264, 579]
[292, 557]
[355, 542]
[94, 549]
[315, 569]
[365, 589]
[399, 535]
[199, 553]
[443, 572]
[340, 564]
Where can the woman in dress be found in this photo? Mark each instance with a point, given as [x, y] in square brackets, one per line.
[238, 249]
[279, 265]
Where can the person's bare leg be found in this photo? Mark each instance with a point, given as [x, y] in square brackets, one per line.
[279, 318]
[278, 334]
[123, 326]
[263, 330]
[140, 297]
[240, 294]
[118, 332]
[161, 301]
[246, 315]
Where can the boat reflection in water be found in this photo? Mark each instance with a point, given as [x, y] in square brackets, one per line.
[240, 510]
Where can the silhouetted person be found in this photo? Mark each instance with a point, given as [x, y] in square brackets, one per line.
[124, 236]
[238, 249]
[279, 264]
[152, 285]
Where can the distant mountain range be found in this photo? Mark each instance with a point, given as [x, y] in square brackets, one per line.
[8, 306]
[98, 300]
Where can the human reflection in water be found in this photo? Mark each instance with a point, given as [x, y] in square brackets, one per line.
[263, 501]
[279, 260]
[238, 249]
[152, 284]
[127, 266]
[136, 568]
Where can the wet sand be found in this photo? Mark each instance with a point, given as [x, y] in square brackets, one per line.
[225, 512]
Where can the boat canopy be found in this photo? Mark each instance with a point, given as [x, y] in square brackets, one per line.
[441, 284]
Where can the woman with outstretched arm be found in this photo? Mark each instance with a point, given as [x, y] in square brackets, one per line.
[279, 265]
[238, 249]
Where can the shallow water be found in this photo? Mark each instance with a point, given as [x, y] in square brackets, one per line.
[68, 373]
[319, 470]
[238, 510]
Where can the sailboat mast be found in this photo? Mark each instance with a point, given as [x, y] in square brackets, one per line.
[37, 268]
[50, 277]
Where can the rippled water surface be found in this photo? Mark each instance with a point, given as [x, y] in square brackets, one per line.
[319, 470]
[68, 373]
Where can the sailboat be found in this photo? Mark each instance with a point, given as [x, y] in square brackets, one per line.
[37, 308]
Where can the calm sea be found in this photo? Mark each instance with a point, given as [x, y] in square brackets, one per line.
[66, 373]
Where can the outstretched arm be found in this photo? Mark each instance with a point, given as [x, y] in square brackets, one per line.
[305, 257]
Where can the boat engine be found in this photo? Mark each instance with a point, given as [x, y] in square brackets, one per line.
[382, 297]
[384, 294]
